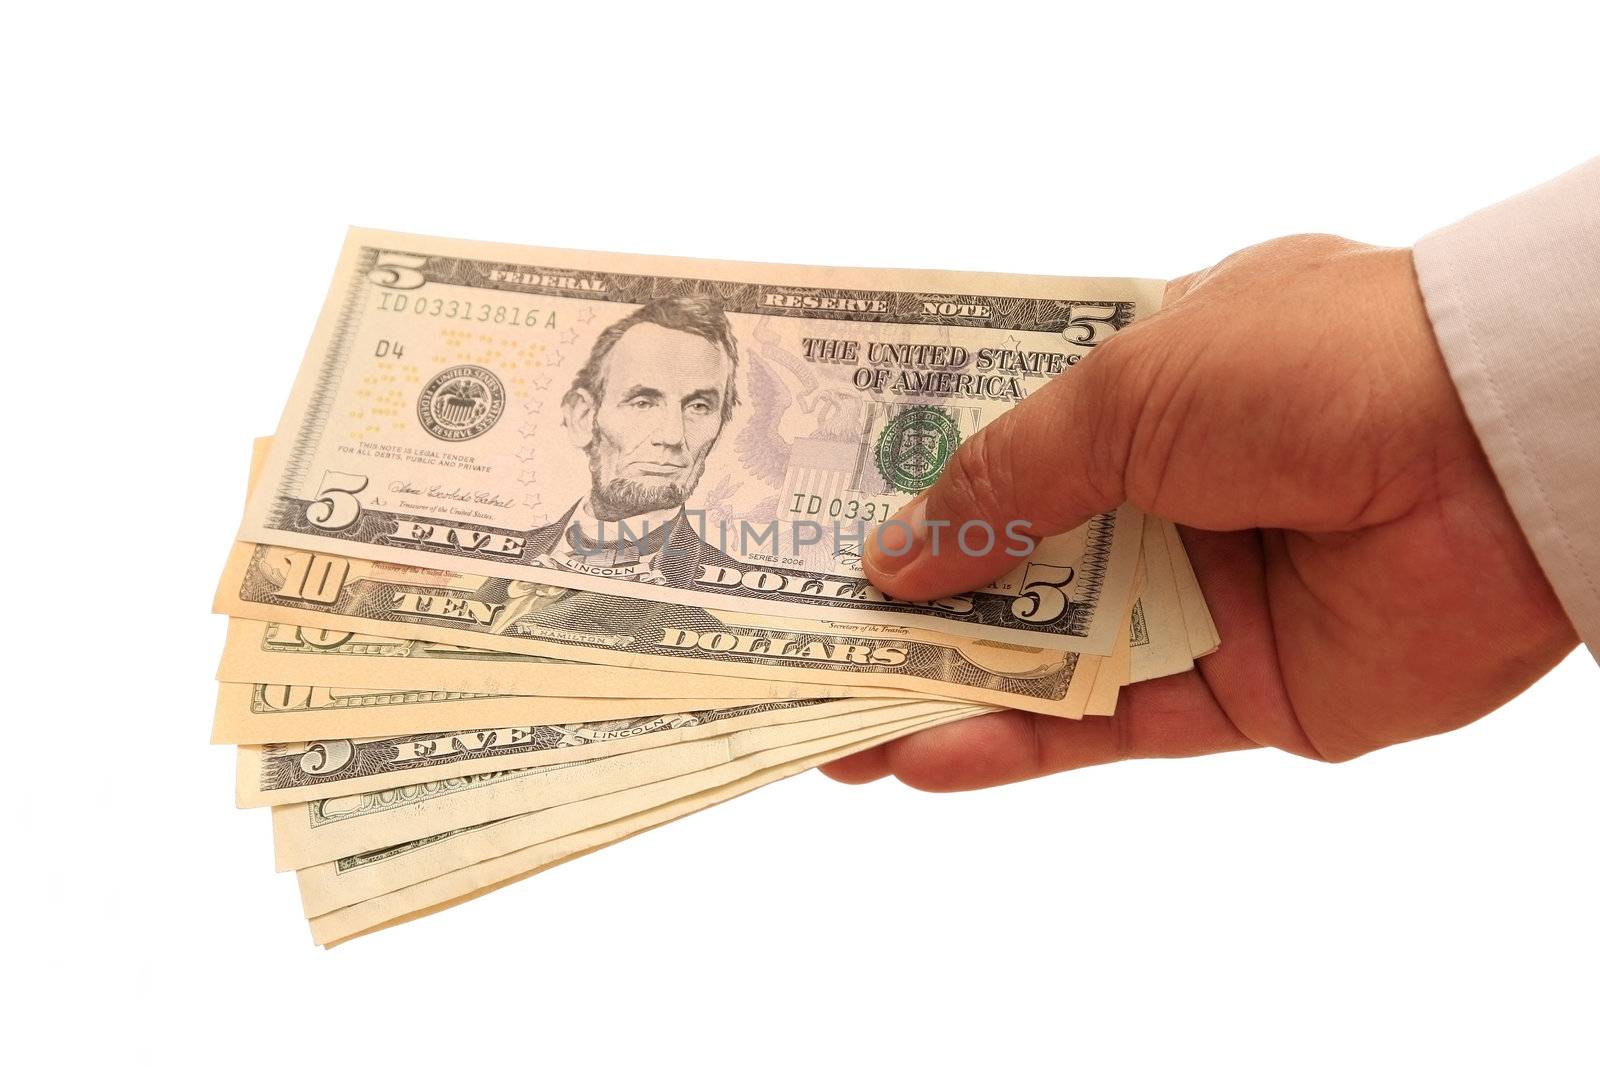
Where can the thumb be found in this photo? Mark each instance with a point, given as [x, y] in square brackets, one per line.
[1044, 467]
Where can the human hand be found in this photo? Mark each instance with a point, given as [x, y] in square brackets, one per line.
[1290, 408]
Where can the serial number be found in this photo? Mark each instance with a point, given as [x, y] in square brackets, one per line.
[811, 505]
[440, 308]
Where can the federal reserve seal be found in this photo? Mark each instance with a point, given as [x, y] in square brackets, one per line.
[461, 403]
[914, 447]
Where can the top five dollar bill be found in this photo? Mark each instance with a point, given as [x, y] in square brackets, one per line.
[716, 434]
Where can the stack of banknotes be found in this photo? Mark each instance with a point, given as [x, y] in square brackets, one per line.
[554, 547]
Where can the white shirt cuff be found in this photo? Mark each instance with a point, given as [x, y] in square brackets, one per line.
[1514, 295]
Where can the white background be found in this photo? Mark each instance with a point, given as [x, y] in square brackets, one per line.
[178, 183]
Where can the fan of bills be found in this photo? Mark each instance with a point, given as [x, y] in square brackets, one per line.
[554, 547]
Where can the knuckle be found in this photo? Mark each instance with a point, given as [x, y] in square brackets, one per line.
[1123, 380]
[977, 481]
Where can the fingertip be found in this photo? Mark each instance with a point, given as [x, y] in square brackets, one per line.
[858, 768]
[939, 574]
[884, 579]
[972, 754]
[919, 556]
[892, 547]
[1180, 287]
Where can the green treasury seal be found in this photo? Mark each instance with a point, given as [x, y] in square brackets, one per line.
[914, 447]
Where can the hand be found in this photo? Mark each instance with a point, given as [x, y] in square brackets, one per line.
[1290, 407]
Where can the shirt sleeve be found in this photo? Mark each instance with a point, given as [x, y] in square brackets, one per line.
[1514, 296]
